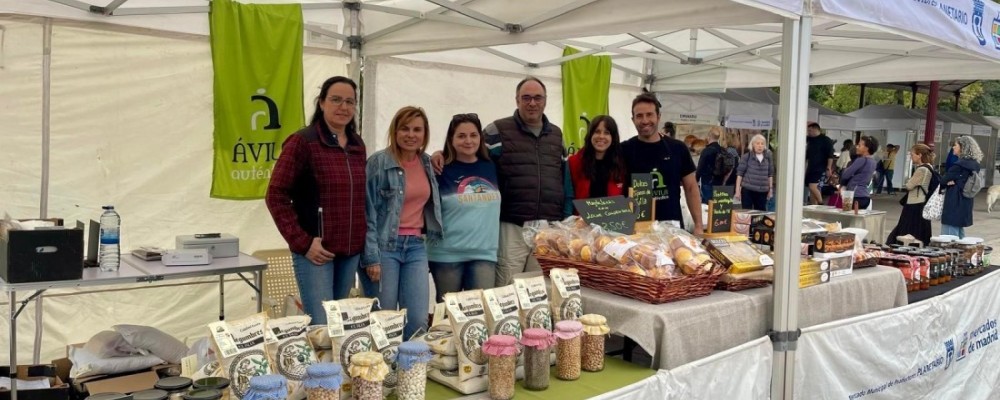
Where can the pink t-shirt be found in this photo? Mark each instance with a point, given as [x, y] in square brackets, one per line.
[418, 191]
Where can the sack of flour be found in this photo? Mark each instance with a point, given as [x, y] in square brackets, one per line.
[445, 363]
[349, 328]
[567, 304]
[291, 353]
[468, 320]
[239, 346]
[387, 334]
[502, 311]
[534, 299]
[319, 338]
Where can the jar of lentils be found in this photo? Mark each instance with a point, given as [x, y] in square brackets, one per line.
[568, 344]
[501, 351]
[537, 344]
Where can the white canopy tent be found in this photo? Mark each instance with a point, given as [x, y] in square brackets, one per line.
[693, 45]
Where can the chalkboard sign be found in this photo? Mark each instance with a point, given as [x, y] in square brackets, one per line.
[642, 196]
[720, 213]
[611, 213]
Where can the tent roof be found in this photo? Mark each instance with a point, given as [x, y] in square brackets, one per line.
[705, 45]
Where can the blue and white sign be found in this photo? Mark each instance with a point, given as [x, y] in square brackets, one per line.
[970, 24]
[749, 122]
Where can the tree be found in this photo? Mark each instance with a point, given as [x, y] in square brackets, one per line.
[988, 101]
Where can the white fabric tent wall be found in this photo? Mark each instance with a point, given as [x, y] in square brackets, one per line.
[456, 90]
[131, 125]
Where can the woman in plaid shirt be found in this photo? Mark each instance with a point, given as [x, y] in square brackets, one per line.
[317, 198]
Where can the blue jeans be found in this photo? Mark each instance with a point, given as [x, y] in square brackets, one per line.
[319, 283]
[451, 277]
[706, 192]
[888, 182]
[404, 283]
[953, 230]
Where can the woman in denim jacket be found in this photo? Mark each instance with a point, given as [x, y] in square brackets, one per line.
[403, 211]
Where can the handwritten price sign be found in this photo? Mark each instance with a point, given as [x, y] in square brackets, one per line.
[611, 213]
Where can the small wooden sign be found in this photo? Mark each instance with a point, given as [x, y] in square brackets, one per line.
[720, 212]
[611, 213]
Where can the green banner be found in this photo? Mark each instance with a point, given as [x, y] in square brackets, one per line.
[585, 81]
[257, 60]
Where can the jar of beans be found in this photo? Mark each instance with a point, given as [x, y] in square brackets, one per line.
[595, 328]
[411, 367]
[368, 371]
[501, 351]
[267, 387]
[537, 344]
[568, 344]
[323, 381]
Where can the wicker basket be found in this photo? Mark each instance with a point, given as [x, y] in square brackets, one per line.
[741, 285]
[868, 263]
[627, 284]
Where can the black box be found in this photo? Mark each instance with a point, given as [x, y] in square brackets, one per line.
[58, 391]
[41, 255]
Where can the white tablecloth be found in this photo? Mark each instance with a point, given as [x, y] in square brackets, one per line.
[680, 332]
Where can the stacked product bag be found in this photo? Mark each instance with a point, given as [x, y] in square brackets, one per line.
[290, 352]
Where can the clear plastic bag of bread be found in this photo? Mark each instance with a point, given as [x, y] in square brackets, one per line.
[581, 243]
[573, 237]
[687, 251]
[542, 237]
[601, 240]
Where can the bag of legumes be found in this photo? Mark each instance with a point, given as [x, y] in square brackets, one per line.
[468, 321]
[502, 311]
[290, 352]
[387, 334]
[239, 346]
[534, 299]
[348, 324]
[567, 304]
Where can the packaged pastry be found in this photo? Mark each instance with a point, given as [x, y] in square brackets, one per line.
[737, 254]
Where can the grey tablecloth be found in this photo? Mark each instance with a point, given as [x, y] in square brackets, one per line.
[872, 221]
[681, 332]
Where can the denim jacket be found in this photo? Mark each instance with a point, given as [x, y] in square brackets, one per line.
[385, 186]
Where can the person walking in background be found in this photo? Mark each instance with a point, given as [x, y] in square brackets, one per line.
[858, 175]
[317, 198]
[924, 181]
[706, 173]
[755, 176]
[819, 160]
[598, 170]
[952, 157]
[404, 211]
[890, 167]
[470, 211]
[956, 214]
[670, 130]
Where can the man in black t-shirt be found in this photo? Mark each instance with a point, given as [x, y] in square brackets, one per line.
[667, 159]
[819, 160]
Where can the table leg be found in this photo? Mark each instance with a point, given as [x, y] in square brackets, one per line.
[628, 347]
[258, 281]
[222, 297]
[36, 355]
[13, 344]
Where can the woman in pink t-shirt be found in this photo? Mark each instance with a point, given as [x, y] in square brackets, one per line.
[403, 212]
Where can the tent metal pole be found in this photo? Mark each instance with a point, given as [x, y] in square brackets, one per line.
[788, 232]
[43, 207]
[354, 8]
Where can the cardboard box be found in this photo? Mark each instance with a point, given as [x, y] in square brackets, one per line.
[760, 234]
[813, 266]
[57, 390]
[833, 242]
[737, 254]
[841, 263]
[122, 383]
[813, 279]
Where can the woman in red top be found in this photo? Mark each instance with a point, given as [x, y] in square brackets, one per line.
[598, 170]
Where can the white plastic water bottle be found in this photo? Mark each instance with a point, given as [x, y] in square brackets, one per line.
[108, 257]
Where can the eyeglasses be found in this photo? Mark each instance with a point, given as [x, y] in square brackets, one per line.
[537, 99]
[337, 101]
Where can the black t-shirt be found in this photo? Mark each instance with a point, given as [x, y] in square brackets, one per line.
[668, 160]
[602, 172]
[819, 149]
